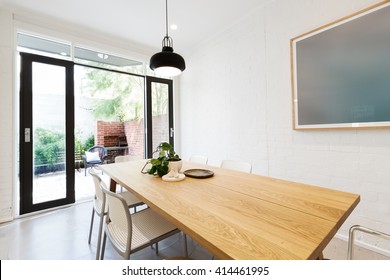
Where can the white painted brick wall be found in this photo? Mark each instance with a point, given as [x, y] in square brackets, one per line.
[235, 102]
[6, 115]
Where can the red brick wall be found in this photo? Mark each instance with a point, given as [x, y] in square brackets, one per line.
[135, 136]
[107, 134]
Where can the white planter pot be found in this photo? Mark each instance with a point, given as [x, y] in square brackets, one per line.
[174, 168]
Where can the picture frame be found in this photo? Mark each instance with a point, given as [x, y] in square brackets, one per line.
[340, 72]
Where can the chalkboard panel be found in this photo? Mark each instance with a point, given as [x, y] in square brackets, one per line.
[341, 72]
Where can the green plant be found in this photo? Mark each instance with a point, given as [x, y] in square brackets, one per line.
[166, 153]
[49, 150]
[89, 143]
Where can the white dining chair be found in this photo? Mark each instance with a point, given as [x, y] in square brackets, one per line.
[100, 208]
[124, 158]
[237, 165]
[130, 233]
[365, 230]
[198, 159]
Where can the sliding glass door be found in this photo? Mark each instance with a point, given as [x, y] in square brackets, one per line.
[66, 108]
[46, 133]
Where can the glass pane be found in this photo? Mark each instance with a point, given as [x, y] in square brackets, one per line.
[32, 44]
[109, 112]
[160, 113]
[108, 61]
[49, 147]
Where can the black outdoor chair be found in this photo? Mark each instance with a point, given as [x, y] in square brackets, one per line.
[94, 156]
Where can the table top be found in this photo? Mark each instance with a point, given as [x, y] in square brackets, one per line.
[236, 215]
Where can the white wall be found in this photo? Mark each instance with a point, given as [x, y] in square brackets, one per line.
[235, 103]
[6, 115]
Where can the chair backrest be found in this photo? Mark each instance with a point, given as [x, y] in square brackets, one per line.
[126, 158]
[99, 195]
[199, 159]
[369, 231]
[237, 165]
[118, 216]
[100, 149]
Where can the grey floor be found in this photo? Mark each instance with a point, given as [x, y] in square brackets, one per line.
[62, 234]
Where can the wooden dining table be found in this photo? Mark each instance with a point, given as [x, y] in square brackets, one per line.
[236, 215]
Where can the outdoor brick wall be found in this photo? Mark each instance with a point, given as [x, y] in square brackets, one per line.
[134, 131]
[107, 134]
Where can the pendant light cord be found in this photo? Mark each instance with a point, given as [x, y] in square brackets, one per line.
[166, 17]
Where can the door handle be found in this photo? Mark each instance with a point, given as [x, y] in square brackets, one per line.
[27, 135]
[172, 131]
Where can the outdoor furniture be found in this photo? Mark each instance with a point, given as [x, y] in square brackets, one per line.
[94, 156]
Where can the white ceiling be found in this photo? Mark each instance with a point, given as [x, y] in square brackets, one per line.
[143, 21]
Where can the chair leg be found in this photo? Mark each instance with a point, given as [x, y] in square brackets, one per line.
[185, 245]
[99, 236]
[91, 226]
[103, 246]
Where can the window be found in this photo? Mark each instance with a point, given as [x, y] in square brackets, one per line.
[46, 47]
[104, 60]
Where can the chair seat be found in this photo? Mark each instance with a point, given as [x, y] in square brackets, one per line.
[148, 227]
[95, 162]
[131, 199]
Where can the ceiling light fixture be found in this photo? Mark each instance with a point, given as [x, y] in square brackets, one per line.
[102, 55]
[167, 63]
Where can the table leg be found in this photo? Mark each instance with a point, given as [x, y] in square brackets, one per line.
[112, 185]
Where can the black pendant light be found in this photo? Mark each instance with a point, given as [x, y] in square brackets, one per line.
[167, 63]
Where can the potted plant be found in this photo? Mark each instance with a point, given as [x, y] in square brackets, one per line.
[166, 161]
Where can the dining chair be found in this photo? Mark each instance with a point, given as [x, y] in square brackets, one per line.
[130, 233]
[100, 207]
[199, 159]
[365, 230]
[124, 158]
[237, 165]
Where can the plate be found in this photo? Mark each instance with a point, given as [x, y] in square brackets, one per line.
[199, 173]
[173, 179]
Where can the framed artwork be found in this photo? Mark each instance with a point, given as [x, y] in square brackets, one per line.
[341, 72]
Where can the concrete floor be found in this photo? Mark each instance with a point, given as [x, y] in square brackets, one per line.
[63, 235]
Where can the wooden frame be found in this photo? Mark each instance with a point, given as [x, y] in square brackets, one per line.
[314, 78]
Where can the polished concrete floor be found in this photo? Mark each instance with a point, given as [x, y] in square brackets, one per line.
[62, 234]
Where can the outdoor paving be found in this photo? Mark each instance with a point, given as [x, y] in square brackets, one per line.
[52, 186]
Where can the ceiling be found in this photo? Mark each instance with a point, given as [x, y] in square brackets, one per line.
[142, 22]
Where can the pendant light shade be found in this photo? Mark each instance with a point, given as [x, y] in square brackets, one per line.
[167, 63]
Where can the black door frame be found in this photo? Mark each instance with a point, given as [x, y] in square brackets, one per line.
[26, 148]
[148, 115]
